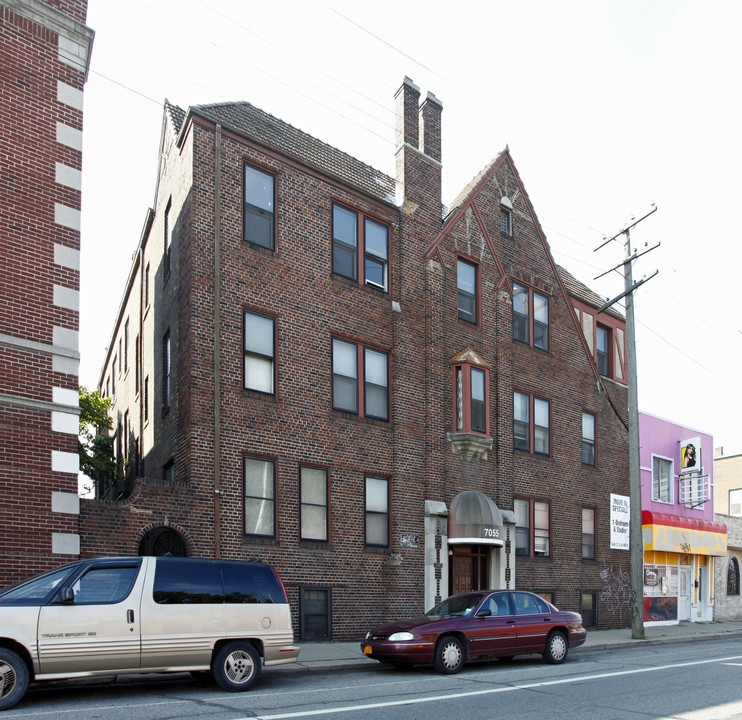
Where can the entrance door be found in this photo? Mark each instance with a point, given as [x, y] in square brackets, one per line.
[684, 592]
[469, 569]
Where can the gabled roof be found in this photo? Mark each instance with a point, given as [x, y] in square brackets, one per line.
[257, 125]
[582, 292]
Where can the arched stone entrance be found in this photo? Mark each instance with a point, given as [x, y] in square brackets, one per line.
[163, 540]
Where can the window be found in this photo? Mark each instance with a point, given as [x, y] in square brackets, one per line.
[127, 435]
[259, 353]
[260, 498]
[104, 585]
[735, 503]
[354, 366]
[377, 511]
[313, 491]
[532, 528]
[531, 418]
[356, 236]
[198, 583]
[168, 471]
[168, 241]
[126, 346]
[588, 439]
[259, 217]
[466, 277]
[146, 287]
[113, 375]
[470, 393]
[315, 614]
[506, 222]
[733, 577]
[661, 479]
[145, 399]
[588, 534]
[166, 359]
[530, 316]
[137, 364]
[602, 344]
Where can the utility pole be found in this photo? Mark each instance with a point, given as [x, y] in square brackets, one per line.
[636, 542]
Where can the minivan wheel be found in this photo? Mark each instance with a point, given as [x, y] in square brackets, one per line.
[556, 648]
[236, 666]
[13, 678]
[449, 655]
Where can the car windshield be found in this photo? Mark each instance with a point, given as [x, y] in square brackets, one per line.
[37, 589]
[457, 605]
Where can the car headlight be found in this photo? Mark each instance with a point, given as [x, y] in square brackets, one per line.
[396, 637]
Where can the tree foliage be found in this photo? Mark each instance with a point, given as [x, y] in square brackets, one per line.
[95, 444]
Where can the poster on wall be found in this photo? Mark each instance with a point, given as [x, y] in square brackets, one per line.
[620, 516]
[690, 455]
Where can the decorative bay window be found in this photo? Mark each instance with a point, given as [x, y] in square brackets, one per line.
[471, 426]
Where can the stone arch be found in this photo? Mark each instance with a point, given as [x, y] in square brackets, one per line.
[163, 538]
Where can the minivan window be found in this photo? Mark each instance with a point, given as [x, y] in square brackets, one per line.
[101, 585]
[198, 582]
[37, 590]
[245, 583]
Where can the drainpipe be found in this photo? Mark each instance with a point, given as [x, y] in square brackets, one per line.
[217, 338]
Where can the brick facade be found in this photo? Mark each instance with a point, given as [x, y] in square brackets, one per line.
[216, 276]
[44, 49]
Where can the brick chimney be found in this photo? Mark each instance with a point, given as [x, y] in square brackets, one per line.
[418, 152]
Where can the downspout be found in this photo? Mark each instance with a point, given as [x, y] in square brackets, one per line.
[217, 338]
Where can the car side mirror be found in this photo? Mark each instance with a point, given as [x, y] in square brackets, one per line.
[66, 596]
[484, 612]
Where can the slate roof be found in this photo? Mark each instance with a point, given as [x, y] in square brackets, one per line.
[582, 292]
[251, 122]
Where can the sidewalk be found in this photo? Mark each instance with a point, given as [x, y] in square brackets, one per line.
[344, 656]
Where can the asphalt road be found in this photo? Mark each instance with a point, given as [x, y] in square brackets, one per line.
[693, 681]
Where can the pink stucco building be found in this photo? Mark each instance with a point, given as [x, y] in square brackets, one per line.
[681, 538]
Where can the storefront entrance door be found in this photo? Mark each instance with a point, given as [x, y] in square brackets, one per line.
[684, 593]
[469, 569]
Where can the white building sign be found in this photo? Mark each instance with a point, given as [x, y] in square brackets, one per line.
[620, 516]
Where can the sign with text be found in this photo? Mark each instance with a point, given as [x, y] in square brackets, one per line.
[620, 516]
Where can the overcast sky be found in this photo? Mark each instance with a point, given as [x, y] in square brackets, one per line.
[607, 106]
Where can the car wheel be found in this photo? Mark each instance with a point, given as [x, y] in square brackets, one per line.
[236, 666]
[449, 655]
[556, 648]
[13, 678]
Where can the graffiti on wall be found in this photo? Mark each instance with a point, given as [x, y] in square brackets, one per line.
[616, 592]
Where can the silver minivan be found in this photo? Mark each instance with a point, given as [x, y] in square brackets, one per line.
[110, 616]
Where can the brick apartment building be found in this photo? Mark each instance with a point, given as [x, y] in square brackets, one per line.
[44, 53]
[315, 365]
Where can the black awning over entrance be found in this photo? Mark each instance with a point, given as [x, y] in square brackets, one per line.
[475, 519]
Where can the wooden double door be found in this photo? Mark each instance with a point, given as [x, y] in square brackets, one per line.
[469, 568]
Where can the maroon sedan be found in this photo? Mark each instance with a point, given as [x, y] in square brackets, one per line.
[482, 624]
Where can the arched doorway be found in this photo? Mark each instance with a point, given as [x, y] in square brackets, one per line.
[161, 541]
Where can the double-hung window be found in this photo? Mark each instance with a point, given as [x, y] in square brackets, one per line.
[532, 528]
[166, 370]
[531, 421]
[662, 479]
[602, 345]
[377, 511]
[313, 490]
[260, 497]
[530, 317]
[588, 439]
[360, 248]
[467, 281]
[168, 240]
[260, 353]
[259, 218]
[356, 367]
[588, 534]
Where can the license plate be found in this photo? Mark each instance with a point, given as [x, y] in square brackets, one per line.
[367, 650]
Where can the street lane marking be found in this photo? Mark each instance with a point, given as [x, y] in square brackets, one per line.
[490, 691]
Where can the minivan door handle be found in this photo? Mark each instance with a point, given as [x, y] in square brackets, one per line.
[130, 617]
